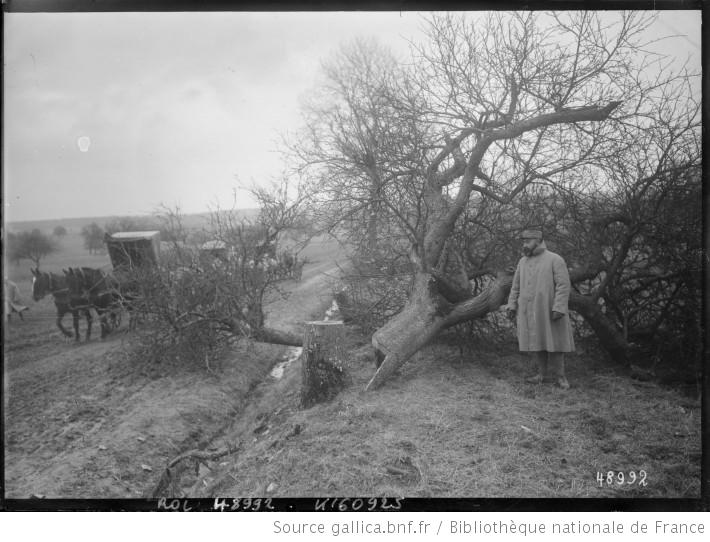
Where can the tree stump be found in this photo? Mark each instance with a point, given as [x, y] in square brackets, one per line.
[322, 371]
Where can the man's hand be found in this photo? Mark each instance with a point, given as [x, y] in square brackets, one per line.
[557, 315]
[510, 313]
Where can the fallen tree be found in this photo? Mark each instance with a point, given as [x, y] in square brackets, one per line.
[198, 297]
[427, 308]
[421, 321]
[489, 109]
[490, 300]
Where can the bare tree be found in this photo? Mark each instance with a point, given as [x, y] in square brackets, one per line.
[628, 224]
[357, 142]
[283, 209]
[501, 103]
[33, 245]
[93, 236]
[171, 225]
[196, 301]
[59, 231]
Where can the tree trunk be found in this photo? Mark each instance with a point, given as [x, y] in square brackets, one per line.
[487, 301]
[276, 336]
[372, 218]
[427, 313]
[611, 339]
[322, 371]
[424, 316]
[261, 334]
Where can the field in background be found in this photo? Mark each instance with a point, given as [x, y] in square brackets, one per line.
[74, 225]
[71, 251]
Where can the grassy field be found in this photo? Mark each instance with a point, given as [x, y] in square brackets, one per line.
[70, 253]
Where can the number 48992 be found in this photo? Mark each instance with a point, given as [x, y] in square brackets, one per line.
[621, 478]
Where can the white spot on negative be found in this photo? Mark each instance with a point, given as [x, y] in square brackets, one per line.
[83, 142]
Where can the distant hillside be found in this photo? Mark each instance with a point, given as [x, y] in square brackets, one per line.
[74, 225]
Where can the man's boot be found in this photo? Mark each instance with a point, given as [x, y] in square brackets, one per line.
[541, 359]
[557, 368]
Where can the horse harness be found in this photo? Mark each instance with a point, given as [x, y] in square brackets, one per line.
[52, 283]
[61, 295]
[101, 280]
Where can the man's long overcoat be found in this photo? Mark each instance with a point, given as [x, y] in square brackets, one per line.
[541, 285]
[11, 296]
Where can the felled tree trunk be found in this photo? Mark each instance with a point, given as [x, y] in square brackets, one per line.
[427, 313]
[322, 371]
[261, 334]
[611, 339]
[490, 300]
[421, 319]
[276, 336]
[424, 316]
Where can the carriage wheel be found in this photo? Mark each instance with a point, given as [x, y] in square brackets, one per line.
[114, 319]
[117, 317]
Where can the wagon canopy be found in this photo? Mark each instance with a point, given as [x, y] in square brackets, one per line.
[131, 249]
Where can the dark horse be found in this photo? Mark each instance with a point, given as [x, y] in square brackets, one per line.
[99, 291]
[50, 283]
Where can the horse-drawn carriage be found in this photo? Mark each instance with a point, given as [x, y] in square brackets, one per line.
[129, 250]
[129, 285]
[79, 290]
[131, 253]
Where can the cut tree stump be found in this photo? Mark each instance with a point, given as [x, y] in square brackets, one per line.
[322, 371]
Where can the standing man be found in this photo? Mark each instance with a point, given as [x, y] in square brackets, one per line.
[12, 301]
[539, 297]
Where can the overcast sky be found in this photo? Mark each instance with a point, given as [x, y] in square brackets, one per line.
[173, 106]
